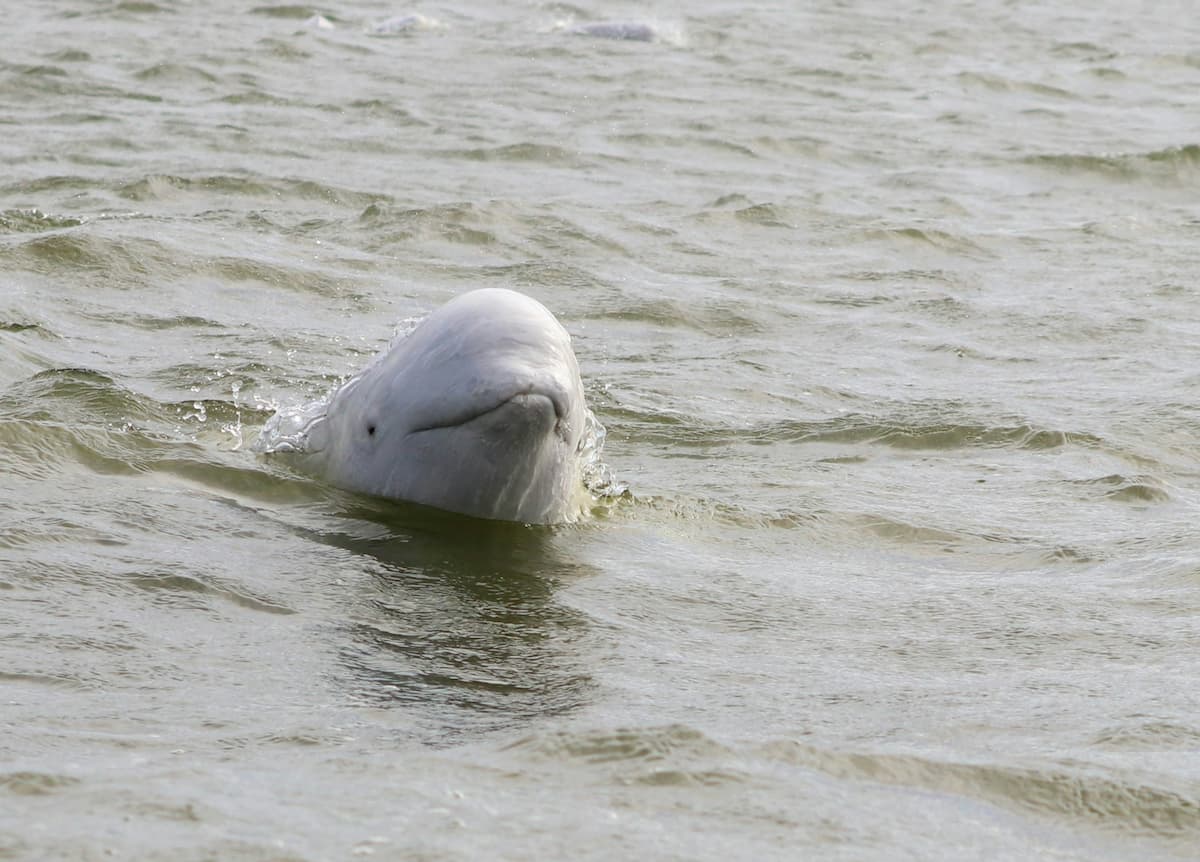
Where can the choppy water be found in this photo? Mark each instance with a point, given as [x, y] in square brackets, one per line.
[890, 311]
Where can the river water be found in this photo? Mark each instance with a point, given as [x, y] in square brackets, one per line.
[889, 309]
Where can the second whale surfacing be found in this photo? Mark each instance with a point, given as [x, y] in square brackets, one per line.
[479, 411]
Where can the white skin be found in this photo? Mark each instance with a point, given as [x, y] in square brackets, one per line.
[479, 410]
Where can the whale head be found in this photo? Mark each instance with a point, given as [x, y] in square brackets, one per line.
[479, 410]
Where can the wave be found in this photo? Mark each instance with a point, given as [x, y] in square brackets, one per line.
[275, 190]
[525, 151]
[27, 783]
[84, 251]
[35, 221]
[1132, 807]
[854, 428]
[928, 238]
[43, 81]
[92, 252]
[545, 242]
[720, 319]
[1170, 163]
[69, 418]
[658, 748]
[998, 83]
[180, 589]
[284, 11]
[1137, 489]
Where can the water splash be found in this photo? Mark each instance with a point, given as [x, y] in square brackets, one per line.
[401, 25]
[597, 477]
[234, 429]
[291, 429]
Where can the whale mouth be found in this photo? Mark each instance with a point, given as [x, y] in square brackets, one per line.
[530, 400]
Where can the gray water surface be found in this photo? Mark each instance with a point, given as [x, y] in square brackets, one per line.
[890, 311]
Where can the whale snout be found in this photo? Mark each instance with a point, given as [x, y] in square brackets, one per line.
[532, 404]
[549, 412]
[558, 393]
[549, 401]
[529, 415]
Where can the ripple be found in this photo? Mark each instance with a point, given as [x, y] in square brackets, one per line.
[142, 7]
[286, 11]
[56, 530]
[71, 55]
[1083, 51]
[853, 429]
[235, 269]
[1170, 163]
[459, 223]
[1149, 736]
[22, 326]
[184, 586]
[89, 251]
[35, 221]
[41, 82]
[52, 183]
[165, 186]
[644, 745]
[35, 783]
[1127, 489]
[928, 238]
[541, 154]
[669, 756]
[59, 393]
[718, 319]
[1109, 803]
[38, 70]
[75, 417]
[42, 679]
[913, 534]
[37, 450]
[177, 73]
[997, 83]
[502, 227]
[538, 273]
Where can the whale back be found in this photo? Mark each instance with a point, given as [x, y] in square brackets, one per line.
[480, 410]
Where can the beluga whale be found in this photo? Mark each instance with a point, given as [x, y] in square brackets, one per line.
[479, 410]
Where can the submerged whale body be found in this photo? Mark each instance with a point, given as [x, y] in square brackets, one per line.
[620, 30]
[479, 410]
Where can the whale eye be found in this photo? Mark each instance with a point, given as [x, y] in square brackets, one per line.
[371, 430]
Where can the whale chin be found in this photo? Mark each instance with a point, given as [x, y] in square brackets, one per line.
[520, 468]
[519, 456]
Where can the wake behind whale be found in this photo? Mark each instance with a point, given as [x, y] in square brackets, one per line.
[480, 411]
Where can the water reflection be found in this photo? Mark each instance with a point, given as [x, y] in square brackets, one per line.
[458, 621]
